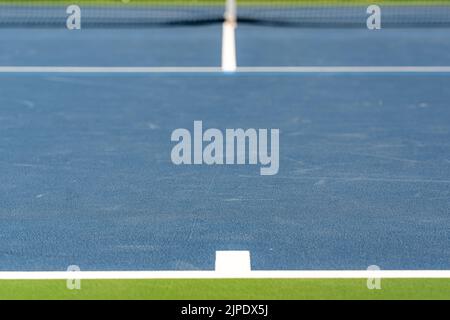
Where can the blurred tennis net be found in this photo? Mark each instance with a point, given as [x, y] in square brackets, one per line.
[308, 13]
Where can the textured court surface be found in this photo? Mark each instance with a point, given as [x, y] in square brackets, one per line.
[85, 159]
[201, 46]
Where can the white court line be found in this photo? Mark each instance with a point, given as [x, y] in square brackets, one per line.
[229, 57]
[280, 69]
[40, 69]
[102, 275]
[348, 69]
[233, 262]
[228, 265]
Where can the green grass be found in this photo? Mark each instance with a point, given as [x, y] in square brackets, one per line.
[252, 289]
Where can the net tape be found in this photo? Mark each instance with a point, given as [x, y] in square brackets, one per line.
[290, 12]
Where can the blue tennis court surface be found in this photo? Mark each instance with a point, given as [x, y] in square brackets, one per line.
[342, 46]
[87, 177]
[175, 46]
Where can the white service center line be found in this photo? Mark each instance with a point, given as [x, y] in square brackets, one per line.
[229, 59]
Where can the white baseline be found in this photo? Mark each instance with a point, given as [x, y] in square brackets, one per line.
[384, 274]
